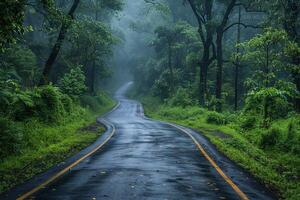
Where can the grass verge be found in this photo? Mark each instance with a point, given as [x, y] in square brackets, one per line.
[47, 145]
[277, 169]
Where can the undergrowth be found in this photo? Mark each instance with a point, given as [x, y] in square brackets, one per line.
[271, 154]
[33, 144]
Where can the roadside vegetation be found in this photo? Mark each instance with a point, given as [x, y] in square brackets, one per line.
[270, 154]
[58, 128]
[54, 57]
[229, 69]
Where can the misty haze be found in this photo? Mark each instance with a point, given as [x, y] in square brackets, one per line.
[150, 99]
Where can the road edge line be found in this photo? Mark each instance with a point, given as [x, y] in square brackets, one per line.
[213, 163]
[69, 167]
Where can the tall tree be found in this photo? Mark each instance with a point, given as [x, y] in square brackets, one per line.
[287, 13]
[166, 39]
[11, 21]
[291, 24]
[203, 13]
[221, 27]
[237, 62]
[58, 44]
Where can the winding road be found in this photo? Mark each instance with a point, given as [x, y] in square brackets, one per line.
[146, 159]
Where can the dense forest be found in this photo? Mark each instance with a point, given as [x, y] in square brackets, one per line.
[54, 56]
[228, 68]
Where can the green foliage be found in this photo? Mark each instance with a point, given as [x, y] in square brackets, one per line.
[270, 103]
[49, 107]
[43, 146]
[161, 8]
[248, 122]
[181, 98]
[216, 118]
[39, 144]
[271, 155]
[14, 101]
[292, 142]
[11, 20]
[271, 138]
[265, 54]
[67, 103]
[19, 63]
[176, 50]
[212, 102]
[46, 103]
[161, 86]
[94, 103]
[73, 83]
[101, 6]
[10, 137]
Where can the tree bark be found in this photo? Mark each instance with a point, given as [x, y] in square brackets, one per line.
[170, 65]
[292, 12]
[219, 77]
[207, 41]
[237, 64]
[93, 78]
[219, 44]
[203, 71]
[57, 46]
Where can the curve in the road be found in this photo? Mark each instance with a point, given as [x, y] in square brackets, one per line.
[140, 158]
[68, 168]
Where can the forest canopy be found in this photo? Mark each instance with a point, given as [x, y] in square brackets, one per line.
[220, 66]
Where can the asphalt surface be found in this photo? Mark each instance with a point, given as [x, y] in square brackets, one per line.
[147, 159]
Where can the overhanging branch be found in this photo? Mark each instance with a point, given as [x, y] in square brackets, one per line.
[244, 25]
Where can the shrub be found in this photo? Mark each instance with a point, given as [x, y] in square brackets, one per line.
[292, 141]
[162, 86]
[216, 118]
[20, 63]
[196, 111]
[46, 103]
[89, 102]
[10, 137]
[271, 138]
[213, 102]
[67, 103]
[73, 83]
[181, 98]
[49, 107]
[15, 103]
[248, 122]
[270, 103]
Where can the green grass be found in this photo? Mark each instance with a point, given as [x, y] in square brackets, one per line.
[276, 168]
[47, 145]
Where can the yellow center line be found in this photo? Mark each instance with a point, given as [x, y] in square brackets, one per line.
[62, 172]
[214, 164]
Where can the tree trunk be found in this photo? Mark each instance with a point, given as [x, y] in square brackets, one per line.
[267, 70]
[292, 12]
[204, 65]
[237, 64]
[206, 41]
[93, 77]
[219, 44]
[203, 73]
[219, 77]
[55, 50]
[170, 66]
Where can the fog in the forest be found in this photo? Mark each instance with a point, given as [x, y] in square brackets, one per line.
[134, 26]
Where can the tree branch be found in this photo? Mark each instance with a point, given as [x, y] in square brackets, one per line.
[244, 25]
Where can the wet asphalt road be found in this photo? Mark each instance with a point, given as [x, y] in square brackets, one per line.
[146, 159]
